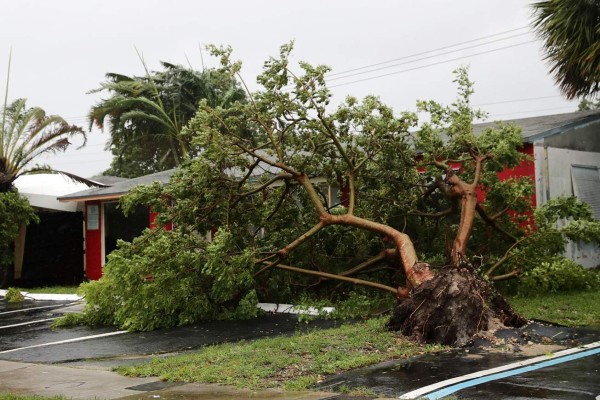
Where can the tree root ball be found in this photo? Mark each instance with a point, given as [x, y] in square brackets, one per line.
[451, 308]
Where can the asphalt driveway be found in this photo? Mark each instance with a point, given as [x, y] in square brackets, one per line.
[25, 336]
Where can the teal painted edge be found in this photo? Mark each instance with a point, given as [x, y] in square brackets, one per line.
[473, 382]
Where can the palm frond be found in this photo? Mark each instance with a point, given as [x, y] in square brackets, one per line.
[570, 31]
[28, 133]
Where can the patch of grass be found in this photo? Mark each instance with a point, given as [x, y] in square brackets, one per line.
[53, 290]
[69, 320]
[569, 309]
[13, 295]
[294, 362]
[12, 396]
[361, 391]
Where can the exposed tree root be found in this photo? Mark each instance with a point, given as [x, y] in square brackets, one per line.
[452, 307]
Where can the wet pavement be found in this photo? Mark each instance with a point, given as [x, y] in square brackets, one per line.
[23, 334]
[578, 379]
[19, 343]
[574, 380]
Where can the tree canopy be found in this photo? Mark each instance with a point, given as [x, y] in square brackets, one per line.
[146, 114]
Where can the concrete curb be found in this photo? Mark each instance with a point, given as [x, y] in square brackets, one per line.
[269, 307]
[46, 296]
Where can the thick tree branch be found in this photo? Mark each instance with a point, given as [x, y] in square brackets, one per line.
[351, 193]
[512, 274]
[279, 202]
[387, 253]
[278, 177]
[479, 160]
[491, 221]
[248, 174]
[282, 253]
[313, 195]
[440, 214]
[268, 161]
[326, 275]
[507, 256]
[416, 273]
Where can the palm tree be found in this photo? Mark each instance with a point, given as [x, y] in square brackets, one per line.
[570, 30]
[146, 115]
[25, 135]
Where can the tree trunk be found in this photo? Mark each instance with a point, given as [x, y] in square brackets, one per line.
[457, 303]
[468, 207]
[416, 272]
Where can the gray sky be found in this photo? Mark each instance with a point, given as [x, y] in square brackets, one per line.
[61, 49]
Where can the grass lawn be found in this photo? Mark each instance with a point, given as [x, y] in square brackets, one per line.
[52, 290]
[302, 360]
[11, 396]
[294, 363]
[569, 309]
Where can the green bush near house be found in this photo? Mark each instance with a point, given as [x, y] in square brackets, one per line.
[557, 275]
[14, 211]
[165, 279]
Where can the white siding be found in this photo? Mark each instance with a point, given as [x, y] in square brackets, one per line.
[559, 182]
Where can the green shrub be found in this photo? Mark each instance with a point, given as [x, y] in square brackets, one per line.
[14, 211]
[13, 295]
[360, 303]
[557, 275]
[164, 279]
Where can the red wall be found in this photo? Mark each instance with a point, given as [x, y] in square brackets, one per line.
[93, 244]
[526, 168]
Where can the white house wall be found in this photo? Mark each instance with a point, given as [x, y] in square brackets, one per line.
[553, 179]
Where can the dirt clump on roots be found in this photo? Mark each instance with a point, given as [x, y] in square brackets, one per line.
[453, 307]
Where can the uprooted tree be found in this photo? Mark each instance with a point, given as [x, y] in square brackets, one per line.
[263, 186]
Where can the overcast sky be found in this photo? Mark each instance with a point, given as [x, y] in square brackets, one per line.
[61, 49]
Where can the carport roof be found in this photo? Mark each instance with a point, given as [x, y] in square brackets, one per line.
[546, 125]
[119, 187]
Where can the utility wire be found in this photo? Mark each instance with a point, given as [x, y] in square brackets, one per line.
[425, 58]
[517, 100]
[425, 52]
[431, 65]
[539, 110]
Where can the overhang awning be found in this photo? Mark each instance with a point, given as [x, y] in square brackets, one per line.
[42, 190]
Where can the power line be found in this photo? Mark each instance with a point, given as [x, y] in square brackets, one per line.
[516, 100]
[426, 58]
[431, 65]
[535, 111]
[426, 52]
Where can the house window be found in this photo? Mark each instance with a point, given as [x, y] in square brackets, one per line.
[329, 193]
[586, 185]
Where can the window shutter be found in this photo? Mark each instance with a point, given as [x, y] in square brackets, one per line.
[586, 185]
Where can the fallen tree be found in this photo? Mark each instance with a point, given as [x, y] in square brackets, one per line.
[266, 178]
